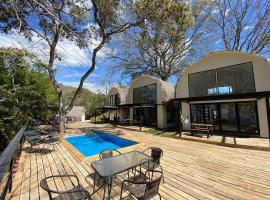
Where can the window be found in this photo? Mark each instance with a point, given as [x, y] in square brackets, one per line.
[237, 78]
[171, 112]
[228, 117]
[145, 94]
[227, 80]
[114, 99]
[203, 83]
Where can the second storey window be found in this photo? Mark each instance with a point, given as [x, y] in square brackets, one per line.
[146, 94]
[226, 80]
[114, 100]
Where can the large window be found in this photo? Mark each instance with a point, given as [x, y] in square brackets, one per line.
[227, 80]
[227, 117]
[114, 99]
[146, 94]
[203, 83]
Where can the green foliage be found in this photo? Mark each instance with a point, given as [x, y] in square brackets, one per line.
[24, 91]
[86, 98]
[158, 47]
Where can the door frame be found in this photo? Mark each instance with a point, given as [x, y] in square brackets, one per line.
[236, 103]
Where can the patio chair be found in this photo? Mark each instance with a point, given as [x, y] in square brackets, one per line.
[107, 153]
[35, 140]
[143, 188]
[156, 153]
[76, 192]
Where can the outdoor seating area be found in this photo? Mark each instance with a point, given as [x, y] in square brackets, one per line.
[167, 171]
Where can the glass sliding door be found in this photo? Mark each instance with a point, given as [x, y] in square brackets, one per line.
[148, 114]
[228, 117]
[211, 115]
[205, 114]
[236, 117]
[248, 117]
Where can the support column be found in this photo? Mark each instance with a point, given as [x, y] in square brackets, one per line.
[179, 112]
[140, 118]
[268, 115]
[95, 115]
[103, 118]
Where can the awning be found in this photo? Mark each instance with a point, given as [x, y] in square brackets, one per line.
[257, 95]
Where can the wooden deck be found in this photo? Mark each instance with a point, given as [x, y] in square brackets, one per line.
[192, 170]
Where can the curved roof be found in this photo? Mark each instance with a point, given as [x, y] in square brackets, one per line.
[227, 53]
[122, 91]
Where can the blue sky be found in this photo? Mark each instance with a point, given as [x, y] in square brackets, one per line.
[74, 61]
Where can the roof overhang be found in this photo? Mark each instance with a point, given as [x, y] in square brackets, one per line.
[108, 107]
[257, 95]
[134, 105]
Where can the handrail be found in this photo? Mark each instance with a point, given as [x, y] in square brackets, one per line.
[7, 159]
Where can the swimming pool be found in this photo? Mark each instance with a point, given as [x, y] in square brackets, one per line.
[94, 143]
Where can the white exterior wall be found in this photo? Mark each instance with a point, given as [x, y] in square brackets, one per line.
[263, 123]
[83, 117]
[185, 116]
[216, 60]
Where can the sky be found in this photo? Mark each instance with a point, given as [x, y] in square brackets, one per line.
[74, 61]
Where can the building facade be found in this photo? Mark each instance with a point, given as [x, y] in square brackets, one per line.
[77, 113]
[229, 90]
[148, 99]
[117, 96]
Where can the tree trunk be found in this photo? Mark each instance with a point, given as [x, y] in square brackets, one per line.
[62, 113]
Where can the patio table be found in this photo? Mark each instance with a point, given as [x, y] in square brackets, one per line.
[109, 167]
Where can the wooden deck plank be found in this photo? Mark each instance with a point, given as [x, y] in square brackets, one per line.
[192, 170]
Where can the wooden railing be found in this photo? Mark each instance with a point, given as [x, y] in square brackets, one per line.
[7, 160]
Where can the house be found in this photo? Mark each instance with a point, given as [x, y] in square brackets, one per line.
[117, 96]
[77, 113]
[228, 89]
[148, 99]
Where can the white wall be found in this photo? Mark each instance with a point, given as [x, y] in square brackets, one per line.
[185, 116]
[264, 132]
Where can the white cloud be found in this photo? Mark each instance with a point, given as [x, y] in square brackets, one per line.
[69, 53]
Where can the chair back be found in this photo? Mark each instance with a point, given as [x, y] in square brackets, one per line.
[156, 154]
[44, 185]
[107, 153]
[152, 186]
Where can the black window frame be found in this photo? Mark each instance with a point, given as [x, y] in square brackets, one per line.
[143, 98]
[114, 99]
[217, 83]
[236, 104]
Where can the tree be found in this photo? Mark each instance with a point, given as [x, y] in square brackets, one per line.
[24, 91]
[86, 98]
[242, 25]
[165, 43]
[56, 20]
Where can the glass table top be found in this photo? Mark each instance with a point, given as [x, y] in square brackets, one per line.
[111, 166]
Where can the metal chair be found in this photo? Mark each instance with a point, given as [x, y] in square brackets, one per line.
[107, 153]
[143, 188]
[156, 153]
[76, 192]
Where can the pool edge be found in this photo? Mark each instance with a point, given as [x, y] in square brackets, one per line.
[81, 157]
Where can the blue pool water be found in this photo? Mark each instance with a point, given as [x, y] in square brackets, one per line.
[92, 144]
